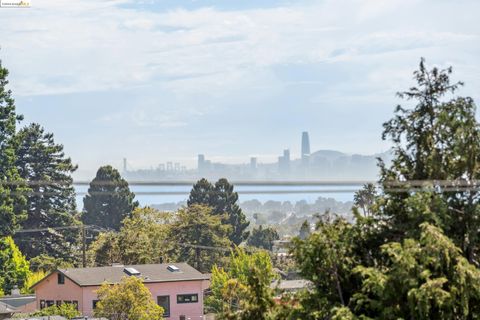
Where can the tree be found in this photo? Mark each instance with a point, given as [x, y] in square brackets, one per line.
[364, 199]
[200, 237]
[394, 262]
[14, 268]
[12, 188]
[142, 239]
[48, 264]
[327, 258]
[32, 279]
[436, 146]
[201, 193]
[109, 200]
[263, 238]
[424, 279]
[43, 165]
[105, 251]
[242, 290]
[127, 300]
[223, 200]
[304, 230]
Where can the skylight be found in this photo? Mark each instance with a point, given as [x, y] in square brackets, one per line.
[132, 271]
[173, 268]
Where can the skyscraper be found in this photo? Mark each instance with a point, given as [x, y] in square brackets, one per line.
[305, 148]
[201, 163]
[284, 162]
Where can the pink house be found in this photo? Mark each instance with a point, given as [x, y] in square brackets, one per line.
[178, 288]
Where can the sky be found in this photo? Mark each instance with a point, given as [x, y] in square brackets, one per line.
[157, 81]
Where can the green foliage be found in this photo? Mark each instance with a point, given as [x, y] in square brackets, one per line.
[196, 225]
[32, 279]
[104, 250]
[438, 140]
[424, 279]
[109, 199]
[263, 238]
[128, 300]
[327, 258]
[142, 239]
[394, 262]
[364, 199]
[51, 203]
[48, 264]
[304, 230]
[242, 289]
[66, 310]
[12, 187]
[223, 201]
[14, 268]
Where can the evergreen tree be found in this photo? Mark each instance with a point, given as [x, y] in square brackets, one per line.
[201, 193]
[420, 279]
[109, 200]
[304, 230]
[12, 188]
[43, 165]
[436, 147]
[226, 201]
[263, 238]
[223, 200]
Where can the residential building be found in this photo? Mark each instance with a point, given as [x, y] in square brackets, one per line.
[23, 303]
[6, 310]
[178, 288]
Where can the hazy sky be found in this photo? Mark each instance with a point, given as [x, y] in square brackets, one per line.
[158, 81]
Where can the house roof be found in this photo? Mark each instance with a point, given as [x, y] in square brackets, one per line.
[40, 318]
[18, 300]
[292, 285]
[149, 273]
[6, 308]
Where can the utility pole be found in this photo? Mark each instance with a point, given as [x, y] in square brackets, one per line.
[84, 247]
[197, 257]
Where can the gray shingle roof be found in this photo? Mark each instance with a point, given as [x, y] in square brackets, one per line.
[149, 273]
[6, 308]
[18, 301]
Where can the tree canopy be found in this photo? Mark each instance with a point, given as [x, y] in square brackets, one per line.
[263, 238]
[127, 300]
[12, 187]
[241, 290]
[195, 227]
[51, 203]
[142, 239]
[223, 201]
[14, 268]
[109, 200]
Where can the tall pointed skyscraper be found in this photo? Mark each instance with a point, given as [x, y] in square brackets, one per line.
[305, 145]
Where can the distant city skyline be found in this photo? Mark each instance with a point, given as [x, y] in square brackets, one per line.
[163, 81]
[317, 165]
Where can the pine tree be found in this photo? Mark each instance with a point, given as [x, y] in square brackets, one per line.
[263, 237]
[201, 193]
[42, 163]
[12, 188]
[109, 200]
[223, 200]
[226, 201]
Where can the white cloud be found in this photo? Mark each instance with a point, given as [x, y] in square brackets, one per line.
[180, 66]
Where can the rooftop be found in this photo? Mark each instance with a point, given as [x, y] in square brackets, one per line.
[149, 273]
